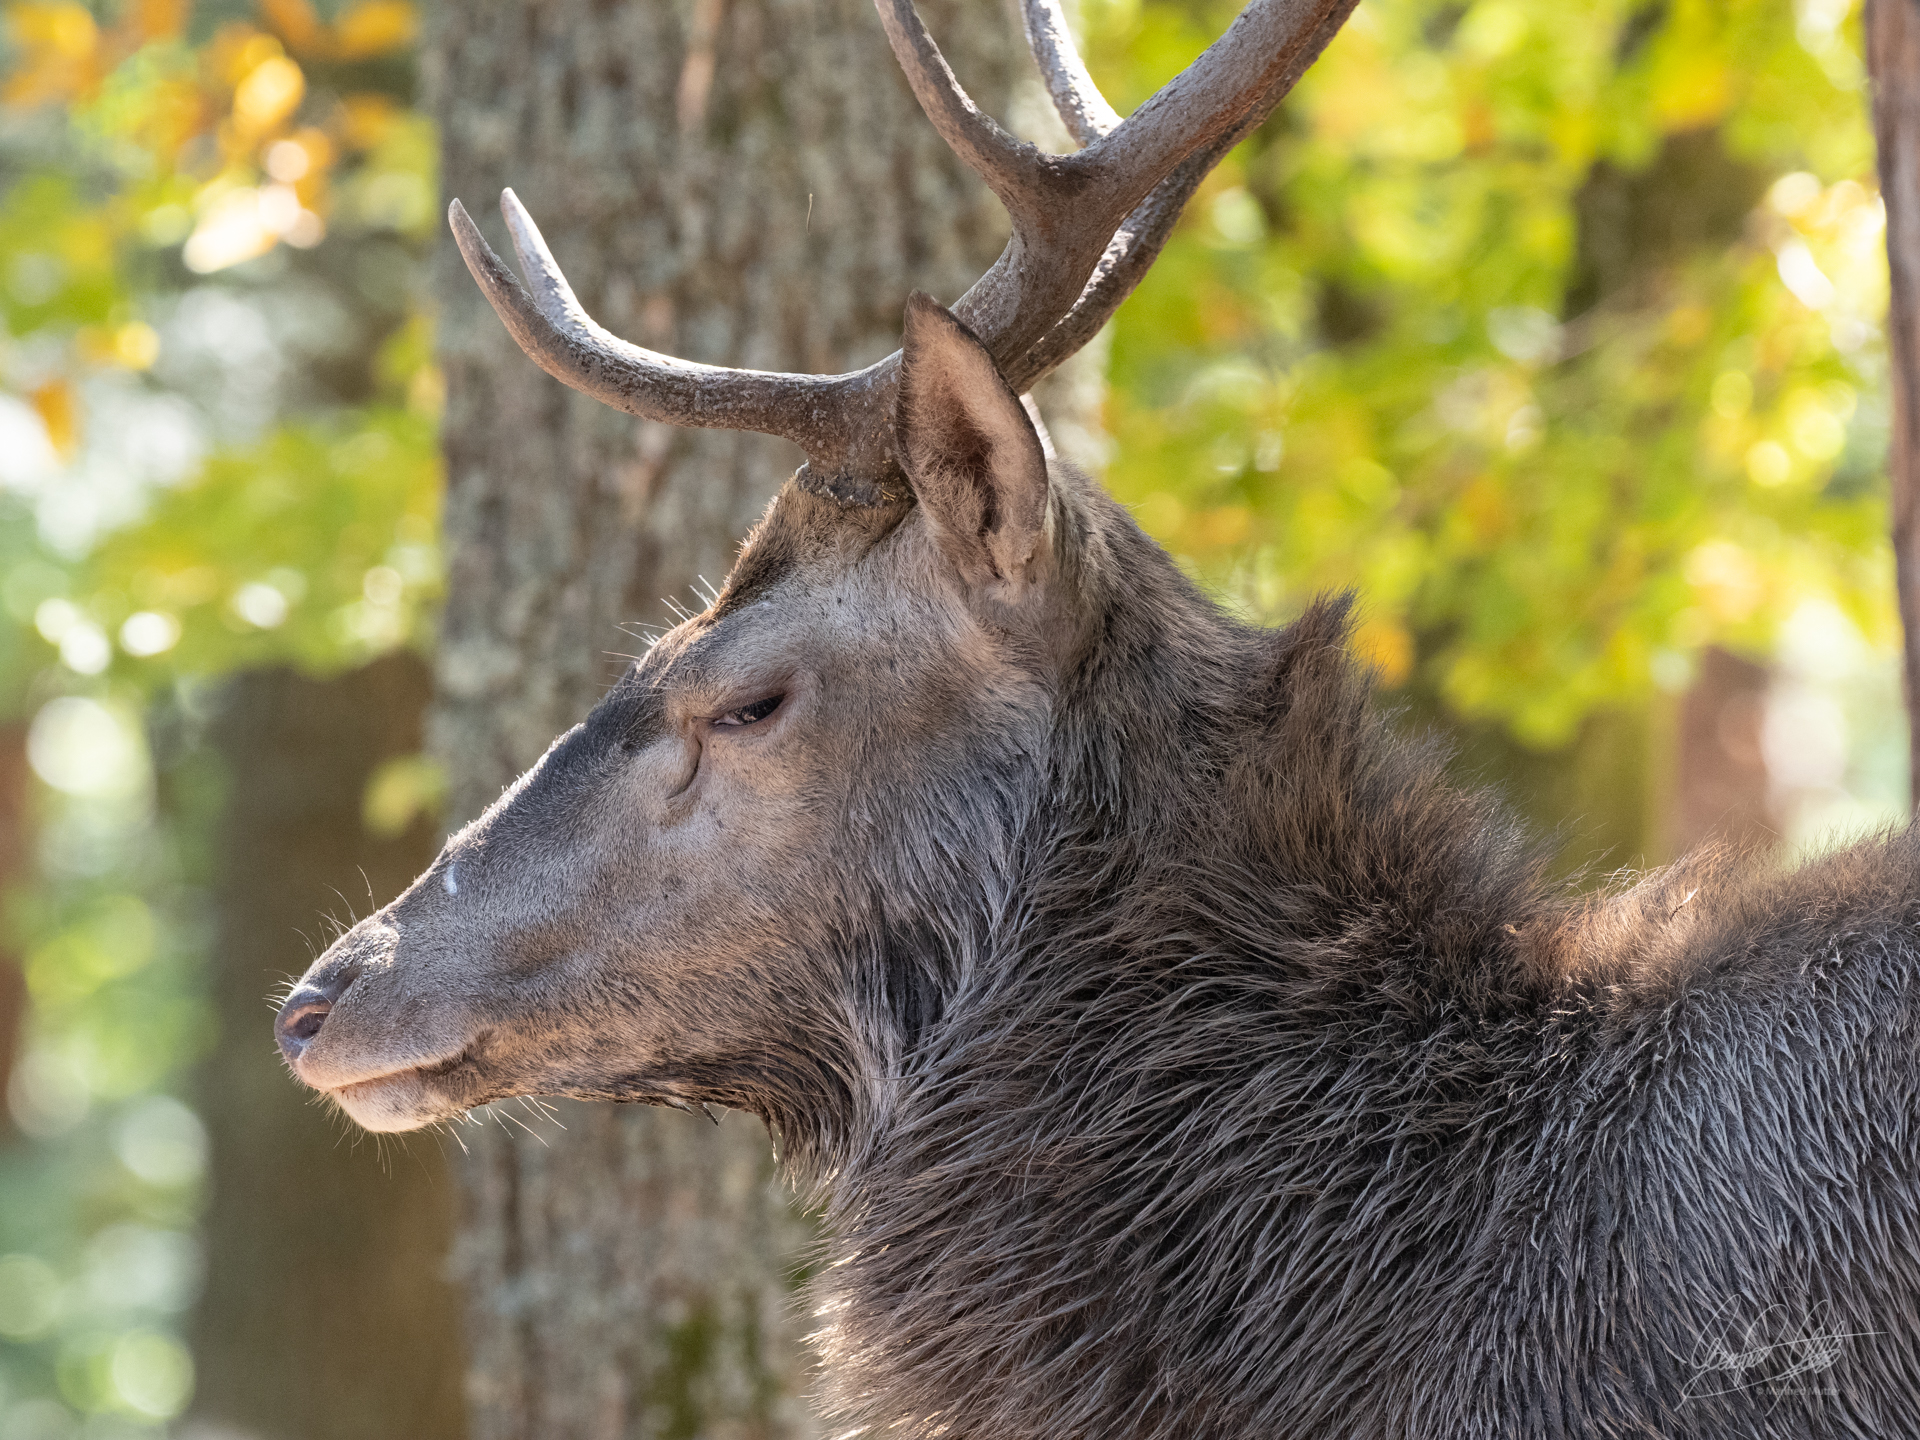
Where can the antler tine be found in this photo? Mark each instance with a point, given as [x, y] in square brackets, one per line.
[826, 415]
[1015, 171]
[1139, 240]
[552, 295]
[1097, 218]
[1248, 69]
[1082, 108]
[1085, 228]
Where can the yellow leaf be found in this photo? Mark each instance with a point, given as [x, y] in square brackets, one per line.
[1769, 464]
[298, 25]
[1484, 505]
[302, 159]
[64, 30]
[365, 119]
[59, 410]
[180, 111]
[136, 346]
[375, 27]
[1477, 128]
[236, 50]
[269, 94]
[1694, 91]
[158, 19]
[1387, 647]
[232, 228]
[60, 60]
[1223, 528]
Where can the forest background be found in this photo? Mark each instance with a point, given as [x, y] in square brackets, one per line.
[1554, 332]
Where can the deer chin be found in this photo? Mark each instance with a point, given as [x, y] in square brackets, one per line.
[388, 1104]
[404, 1097]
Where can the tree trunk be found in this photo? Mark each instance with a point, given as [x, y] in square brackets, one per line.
[743, 182]
[1893, 63]
[1720, 790]
[326, 1315]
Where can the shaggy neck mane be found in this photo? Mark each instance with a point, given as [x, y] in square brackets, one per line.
[1249, 901]
[1245, 1077]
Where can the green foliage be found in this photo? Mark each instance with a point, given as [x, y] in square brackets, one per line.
[178, 155]
[1552, 332]
[98, 1258]
[184, 490]
[315, 546]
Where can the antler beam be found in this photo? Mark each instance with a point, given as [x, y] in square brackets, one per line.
[825, 415]
[1086, 226]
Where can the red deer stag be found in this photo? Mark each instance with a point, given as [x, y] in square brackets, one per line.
[1176, 1052]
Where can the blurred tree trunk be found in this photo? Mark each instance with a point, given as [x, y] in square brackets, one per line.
[743, 182]
[1893, 65]
[13, 871]
[326, 1314]
[1720, 789]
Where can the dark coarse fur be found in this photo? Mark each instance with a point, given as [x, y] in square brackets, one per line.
[1289, 1098]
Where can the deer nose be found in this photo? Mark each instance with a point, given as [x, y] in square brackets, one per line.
[306, 1011]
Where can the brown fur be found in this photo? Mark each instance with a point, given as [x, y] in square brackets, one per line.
[1175, 1051]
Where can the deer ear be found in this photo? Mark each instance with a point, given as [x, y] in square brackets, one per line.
[971, 453]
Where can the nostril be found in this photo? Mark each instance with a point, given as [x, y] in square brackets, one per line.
[307, 1023]
[300, 1020]
[305, 1011]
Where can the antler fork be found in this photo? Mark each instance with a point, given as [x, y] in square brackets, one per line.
[1086, 226]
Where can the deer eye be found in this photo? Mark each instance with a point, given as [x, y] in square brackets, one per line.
[751, 714]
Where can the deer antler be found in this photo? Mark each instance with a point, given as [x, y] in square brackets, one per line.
[1085, 228]
[1083, 109]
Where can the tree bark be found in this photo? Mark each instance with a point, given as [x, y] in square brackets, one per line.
[1893, 65]
[742, 182]
[326, 1314]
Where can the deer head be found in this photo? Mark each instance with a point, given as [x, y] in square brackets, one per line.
[762, 866]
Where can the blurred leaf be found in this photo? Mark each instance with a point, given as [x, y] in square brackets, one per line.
[316, 546]
[1472, 295]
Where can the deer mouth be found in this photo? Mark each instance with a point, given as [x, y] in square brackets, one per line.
[412, 1097]
[390, 1103]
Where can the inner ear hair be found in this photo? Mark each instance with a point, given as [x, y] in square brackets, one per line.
[971, 453]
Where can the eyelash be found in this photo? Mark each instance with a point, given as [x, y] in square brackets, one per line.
[750, 714]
